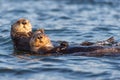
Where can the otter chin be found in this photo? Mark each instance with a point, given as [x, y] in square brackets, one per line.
[40, 42]
[21, 32]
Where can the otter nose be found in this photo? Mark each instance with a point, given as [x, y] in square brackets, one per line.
[24, 22]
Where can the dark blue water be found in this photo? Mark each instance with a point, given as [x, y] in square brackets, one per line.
[69, 20]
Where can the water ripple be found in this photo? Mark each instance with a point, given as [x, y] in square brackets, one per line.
[64, 20]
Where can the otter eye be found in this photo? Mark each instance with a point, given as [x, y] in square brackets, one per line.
[24, 22]
[39, 37]
[18, 21]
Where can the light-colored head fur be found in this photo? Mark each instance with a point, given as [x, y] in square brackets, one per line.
[21, 26]
[40, 42]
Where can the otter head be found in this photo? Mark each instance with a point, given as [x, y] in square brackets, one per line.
[21, 26]
[40, 42]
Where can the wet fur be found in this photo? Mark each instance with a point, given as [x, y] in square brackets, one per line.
[40, 42]
[21, 32]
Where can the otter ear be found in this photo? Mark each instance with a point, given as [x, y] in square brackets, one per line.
[42, 31]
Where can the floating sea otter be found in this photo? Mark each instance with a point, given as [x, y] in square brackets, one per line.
[41, 44]
[21, 32]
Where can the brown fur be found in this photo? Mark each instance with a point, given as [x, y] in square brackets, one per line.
[40, 42]
[20, 33]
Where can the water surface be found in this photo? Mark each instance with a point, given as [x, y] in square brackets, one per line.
[69, 20]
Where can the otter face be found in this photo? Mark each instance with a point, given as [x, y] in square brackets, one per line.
[40, 41]
[22, 26]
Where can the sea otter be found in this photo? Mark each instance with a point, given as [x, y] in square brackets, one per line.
[21, 32]
[40, 43]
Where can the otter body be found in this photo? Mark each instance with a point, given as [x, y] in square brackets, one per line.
[95, 51]
[40, 43]
[21, 32]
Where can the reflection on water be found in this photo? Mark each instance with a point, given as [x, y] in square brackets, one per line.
[69, 20]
